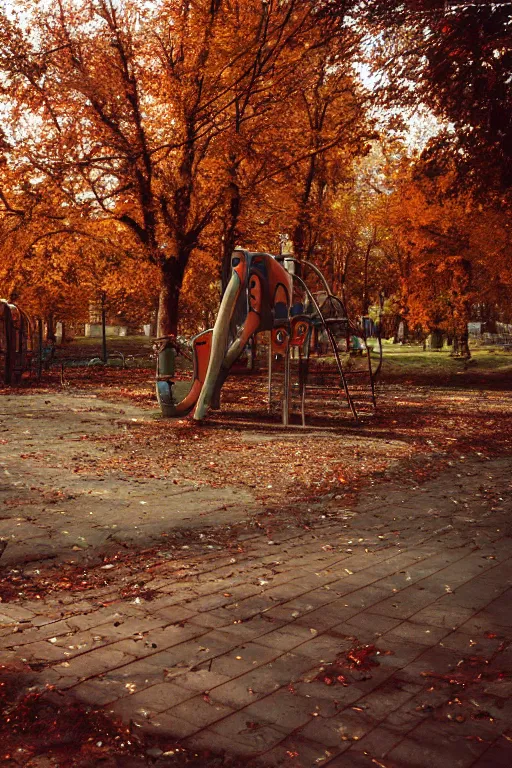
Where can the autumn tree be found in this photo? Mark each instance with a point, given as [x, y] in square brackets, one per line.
[449, 252]
[455, 58]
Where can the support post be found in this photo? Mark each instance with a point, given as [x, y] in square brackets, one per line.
[269, 406]
[286, 385]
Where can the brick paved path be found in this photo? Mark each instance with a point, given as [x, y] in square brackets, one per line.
[242, 651]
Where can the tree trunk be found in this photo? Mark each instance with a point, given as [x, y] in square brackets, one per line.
[436, 337]
[168, 300]
[231, 235]
[398, 320]
[366, 297]
[50, 330]
[231, 226]
[39, 348]
[103, 327]
[300, 236]
[462, 306]
[464, 345]
[461, 345]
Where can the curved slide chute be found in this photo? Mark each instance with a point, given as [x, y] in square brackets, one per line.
[179, 398]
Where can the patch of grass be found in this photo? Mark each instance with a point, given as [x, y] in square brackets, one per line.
[439, 367]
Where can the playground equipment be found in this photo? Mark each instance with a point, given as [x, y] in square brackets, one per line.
[309, 335]
[18, 343]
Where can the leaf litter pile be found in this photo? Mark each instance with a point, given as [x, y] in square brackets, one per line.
[243, 446]
[352, 665]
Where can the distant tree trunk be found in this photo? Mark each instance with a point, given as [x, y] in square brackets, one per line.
[300, 236]
[344, 275]
[103, 327]
[39, 348]
[50, 328]
[302, 233]
[462, 306]
[366, 297]
[461, 345]
[436, 339]
[464, 345]
[398, 320]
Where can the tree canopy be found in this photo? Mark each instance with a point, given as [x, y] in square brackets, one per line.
[456, 58]
[141, 143]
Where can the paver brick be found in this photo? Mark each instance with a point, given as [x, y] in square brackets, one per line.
[136, 675]
[16, 613]
[243, 658]
[432, 744]
[103, 616]
[209, 740]
[385, 699]
[173, 614]
[208, 602]
[34, 634]
[93, 663]
[252, 606]
[405, 603]
[437, 658]
[213, 619]
[259, 682]
[498, 755]
[341, 695]
[200, 711]
[424, 634]
[397, 652]
[163, 725]
[326, 617]
[287, 638]
[476, 594]
[377, 743]
[73, 643]
[483, 621]
[257, 737]
[256, 627]
[466, 645]
[183, 656]
[310, 601]
[44, 650]
[297, 752]
[99, 691]
[315, 580]
[288, 710]
[343, 728]
[372, 623]
[325, 647]
[354, 759]
[157, 698]
[443, 613]
[202, 680]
